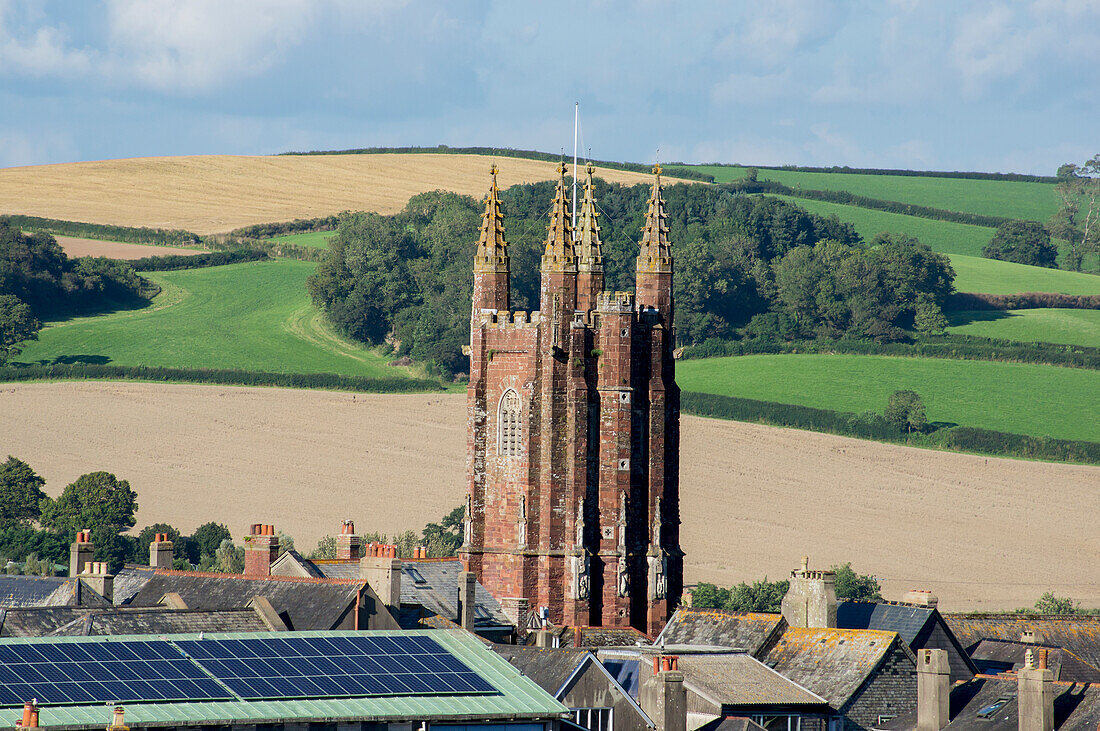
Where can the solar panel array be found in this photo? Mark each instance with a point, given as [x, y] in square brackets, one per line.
[252, 669]
[102, 672]
[305, 667]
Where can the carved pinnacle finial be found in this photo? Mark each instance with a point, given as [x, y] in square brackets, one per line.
[492, 249]
[559, 252]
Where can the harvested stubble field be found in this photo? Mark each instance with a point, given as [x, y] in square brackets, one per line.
[116, 249]
[754, 498]
[215, 193]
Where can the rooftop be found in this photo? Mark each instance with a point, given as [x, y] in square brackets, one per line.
[193, 679]
[89, 621]
[747, 631]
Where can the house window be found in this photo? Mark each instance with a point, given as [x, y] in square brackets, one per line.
[779, 723]
[593, 719]
[508, 424]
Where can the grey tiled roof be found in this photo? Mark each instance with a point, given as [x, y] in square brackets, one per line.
[304, 604]
[738, 679]
[907, 620]
[47, 591]
[1076, 707]
[1080, 634]
[433, 584]
[549, 668]
[994, 656]
[129, 581]
[747, 631]
[81, 621]
[834, 663]
[595, 637]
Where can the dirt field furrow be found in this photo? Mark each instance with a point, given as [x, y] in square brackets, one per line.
[983, 533]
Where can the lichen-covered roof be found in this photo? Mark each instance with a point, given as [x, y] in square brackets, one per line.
[517, 698]
[747, 631]
[1076, 707]
[994, 656]
[738, 679]
[1080, 634]
[85, 621]
[596, 637]
[833, 663]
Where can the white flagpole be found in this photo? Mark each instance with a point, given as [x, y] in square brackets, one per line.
[576, 123]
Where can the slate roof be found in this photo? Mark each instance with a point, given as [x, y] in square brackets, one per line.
[833, 663]
[47, 591]
[916, 624]
[81, 621]
[736, 679]
[129, 581]
[748, 631]
[549, 668]
[731, 723]
[995, 656]
[1076, 707]
[1078, 633]
[595, 636]
[304, 604]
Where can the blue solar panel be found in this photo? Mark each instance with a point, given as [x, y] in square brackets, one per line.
[102, 672]
[307, 667]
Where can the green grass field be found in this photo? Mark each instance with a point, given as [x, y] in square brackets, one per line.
[975, 274]
[254, 316]
[1039, 400]
[1036, 201]
[1068, 327]
[312, 239]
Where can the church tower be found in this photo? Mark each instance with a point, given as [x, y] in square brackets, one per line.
[573, 426]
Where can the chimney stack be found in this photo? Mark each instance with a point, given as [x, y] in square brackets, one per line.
[80, 552]
[30, 715]
[920, 597]
[1035, 695]
[662, 695]
[467, 587]
[515, 608]
[118, 720]
[349, 546]
[811, 599]
[933, 690]
[382, 570]
[261, 548]
[160, 552]
[100, 579]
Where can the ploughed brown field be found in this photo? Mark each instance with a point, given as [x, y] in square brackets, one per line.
[982, 533]
[216, 193]
[116, 249]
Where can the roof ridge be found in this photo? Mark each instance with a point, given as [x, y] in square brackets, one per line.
[289, 579]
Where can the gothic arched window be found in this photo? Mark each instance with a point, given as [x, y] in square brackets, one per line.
[508, 424]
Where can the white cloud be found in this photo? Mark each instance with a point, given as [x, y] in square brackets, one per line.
[41, 52]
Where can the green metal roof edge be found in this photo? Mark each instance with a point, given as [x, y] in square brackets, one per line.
[520, 698]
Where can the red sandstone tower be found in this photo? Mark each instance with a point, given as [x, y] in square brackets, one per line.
[573, 427]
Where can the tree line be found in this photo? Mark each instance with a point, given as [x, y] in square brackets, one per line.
[746, 265]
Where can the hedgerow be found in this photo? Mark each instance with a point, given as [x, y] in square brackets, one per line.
[173, 262]
[330, 381]
[961, 347]
[966, 301]
[127, 234]
[1016, 177]
[874, 426]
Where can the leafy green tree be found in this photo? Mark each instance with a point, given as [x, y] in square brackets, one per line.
[709, 596]
[856, 587]
[207, 538]
[228, 558]
[928, 317]
[286, 543]
[760, 596]
[17, 325]
[20, 493]
[326, 548]
[100, 502]
[444, 538]
[1077, 221]
[1022, 242]
[905, 409]
[1049, 603]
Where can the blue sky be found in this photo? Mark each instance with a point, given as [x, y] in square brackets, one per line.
[999, 86]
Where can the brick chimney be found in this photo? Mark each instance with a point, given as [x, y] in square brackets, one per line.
[811, 599]
[1035, 694]
[80, 552]
[160, 552]
[382, 570]
[30, 716]
[349, 546]
[662, 695]
[467, 586]
[118, 720]
[920, 597]
[100, 579]
[261, 548]
[933, 690]
[515, 608]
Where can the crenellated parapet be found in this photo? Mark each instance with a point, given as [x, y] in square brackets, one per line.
[504, 320]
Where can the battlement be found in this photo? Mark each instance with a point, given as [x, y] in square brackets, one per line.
[615, 302]
[504, 319]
